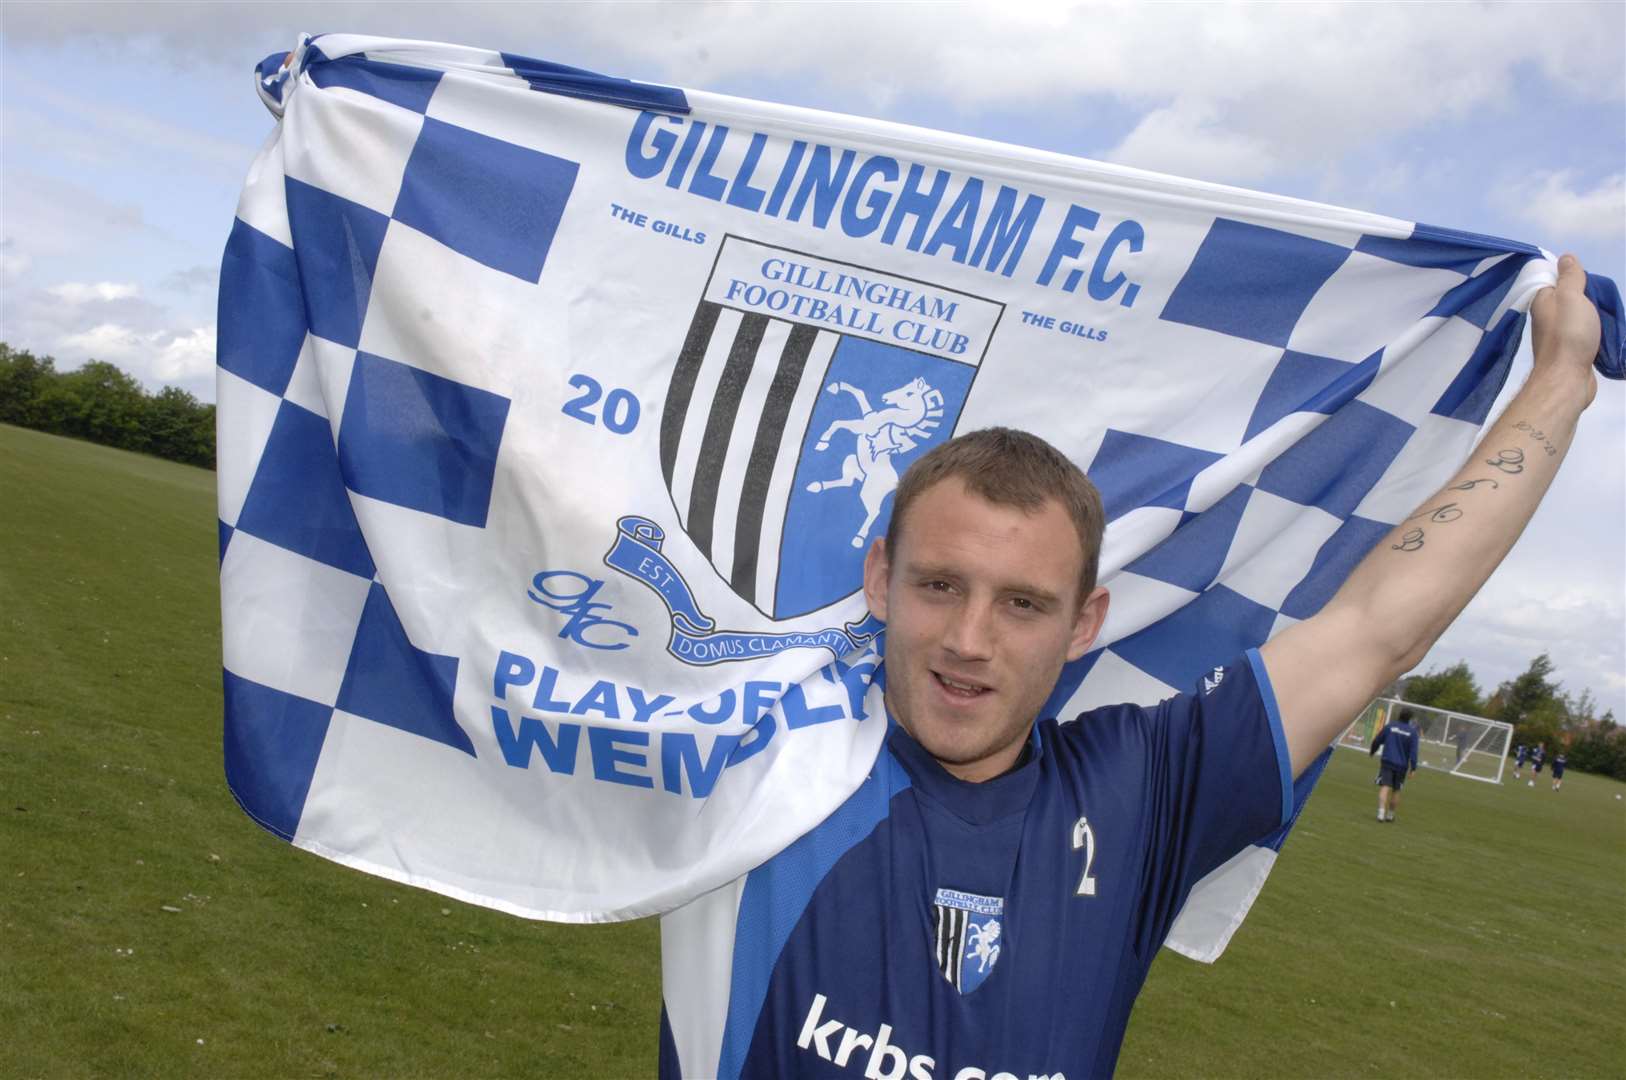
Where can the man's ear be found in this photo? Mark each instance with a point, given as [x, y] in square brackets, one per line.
[876, 568]
[1087, 626]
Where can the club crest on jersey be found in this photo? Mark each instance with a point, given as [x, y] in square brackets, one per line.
[966, 936]
[803, 388]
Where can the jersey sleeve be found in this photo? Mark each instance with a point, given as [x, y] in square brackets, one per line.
[1219, 777]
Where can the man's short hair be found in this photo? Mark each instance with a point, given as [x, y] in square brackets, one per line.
[1009, 468]
[1405, 716]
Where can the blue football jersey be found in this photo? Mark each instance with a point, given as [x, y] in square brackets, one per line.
[933, 928]
[1399, 742]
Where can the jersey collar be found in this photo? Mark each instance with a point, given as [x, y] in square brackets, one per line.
[1006, 794]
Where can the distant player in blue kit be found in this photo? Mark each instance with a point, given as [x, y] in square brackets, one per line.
[1537, 757]
[1520, 752]
[1560, 763]
[989, 901]
[1399, 744]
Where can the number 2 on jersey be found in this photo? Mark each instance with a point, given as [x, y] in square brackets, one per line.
[1084, 840]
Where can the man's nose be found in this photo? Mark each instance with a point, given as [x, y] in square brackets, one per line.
[970, 632]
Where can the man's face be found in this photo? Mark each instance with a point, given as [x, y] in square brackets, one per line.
[982, 610]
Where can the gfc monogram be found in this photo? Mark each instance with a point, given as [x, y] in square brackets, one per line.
[570, 593]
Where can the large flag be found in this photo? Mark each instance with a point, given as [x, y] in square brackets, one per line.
[556, 412]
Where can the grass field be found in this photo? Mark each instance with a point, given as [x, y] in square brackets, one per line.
[148, 928]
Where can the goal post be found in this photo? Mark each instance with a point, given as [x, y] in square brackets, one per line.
[1462, 745]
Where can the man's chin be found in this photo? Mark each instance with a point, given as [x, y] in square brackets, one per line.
[953, 747]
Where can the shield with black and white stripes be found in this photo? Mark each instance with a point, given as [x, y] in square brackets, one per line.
[966, 929]
[802, 391]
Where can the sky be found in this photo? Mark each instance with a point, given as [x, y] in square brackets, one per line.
[126, 131]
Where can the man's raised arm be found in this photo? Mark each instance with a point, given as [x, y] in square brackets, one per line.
[1404, 594]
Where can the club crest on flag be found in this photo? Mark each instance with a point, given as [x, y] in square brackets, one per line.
[803, 389]
[966, 932]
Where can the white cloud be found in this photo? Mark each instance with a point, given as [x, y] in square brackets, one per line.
[1556, 203]
[187, 356]
[41, 318]
[1172, 139]
[108, 341]
[112, 321]
[1514, 619]
[157, 356]
[51, 224]
[78, 292]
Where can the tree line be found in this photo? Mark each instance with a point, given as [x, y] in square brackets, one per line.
[1539, 710]
[101, 403]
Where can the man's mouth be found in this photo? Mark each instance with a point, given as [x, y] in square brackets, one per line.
[959, 688]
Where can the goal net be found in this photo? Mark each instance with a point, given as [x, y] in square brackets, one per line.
[1452, 742]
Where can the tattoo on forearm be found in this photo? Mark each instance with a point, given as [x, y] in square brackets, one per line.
[1538, 435]
[1440, 515]
[1411, 541]
[1510, 461]
[1445, 513]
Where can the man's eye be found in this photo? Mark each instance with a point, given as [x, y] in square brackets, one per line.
[1023, 603]
[938, 586]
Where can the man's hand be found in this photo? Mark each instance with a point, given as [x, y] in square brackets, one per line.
[1411, 586]
[1564, 328]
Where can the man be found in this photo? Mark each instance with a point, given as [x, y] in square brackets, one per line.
[1538, 757]
[1520, 752]
[1399, 742]
[1560, 763]
[991, 898]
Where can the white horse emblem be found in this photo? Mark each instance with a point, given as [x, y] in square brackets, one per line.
[913, 411]
[983, 940]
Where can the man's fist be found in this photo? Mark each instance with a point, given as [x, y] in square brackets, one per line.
[1565, 331]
